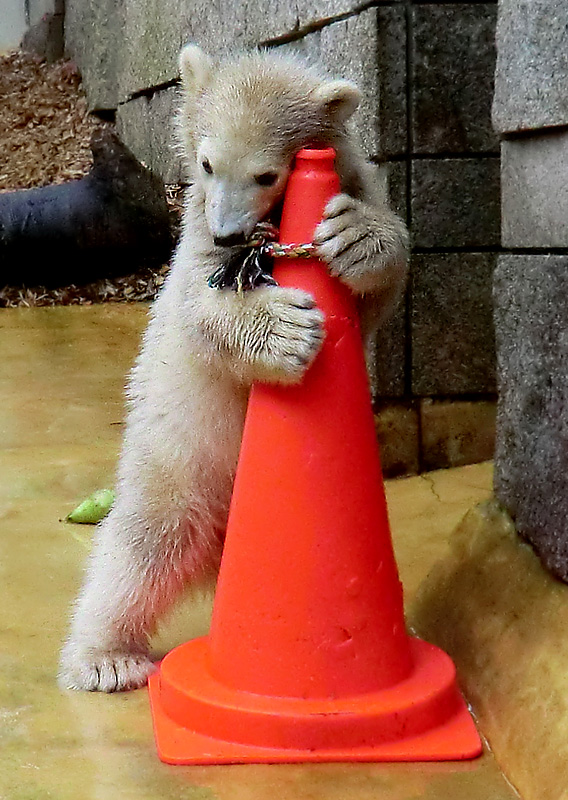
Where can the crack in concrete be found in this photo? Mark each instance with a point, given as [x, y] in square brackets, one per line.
[316, 25]
[150, 91]
[430, 481]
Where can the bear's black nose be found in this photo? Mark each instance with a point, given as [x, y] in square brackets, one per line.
[229, 241]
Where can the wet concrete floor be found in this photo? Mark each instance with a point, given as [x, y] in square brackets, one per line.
[61, 384]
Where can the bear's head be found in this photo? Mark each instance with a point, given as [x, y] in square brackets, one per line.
[240, 125]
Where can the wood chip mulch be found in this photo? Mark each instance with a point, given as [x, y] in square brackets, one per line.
[140, 287]
[46, 127]
[46, 130]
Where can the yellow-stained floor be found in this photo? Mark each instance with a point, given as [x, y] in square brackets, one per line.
[61, 385]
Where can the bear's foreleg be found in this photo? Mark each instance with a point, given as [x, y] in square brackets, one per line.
[364, 244]
[271, 334]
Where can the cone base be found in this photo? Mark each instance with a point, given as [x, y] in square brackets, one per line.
[200, 721]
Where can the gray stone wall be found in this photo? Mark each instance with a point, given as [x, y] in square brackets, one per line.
[426, 70]
[530, 111]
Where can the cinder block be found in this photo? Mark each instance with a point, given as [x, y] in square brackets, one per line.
[532, 65]
[152, 39]
[397, 187]
[452, 78]
[453, 348]
[94, 39]
[145, 125]
[455, 202]
[456, 432]
[534, 190]
[531, 459]
[392, 82]
[389, 356]
[397, 432]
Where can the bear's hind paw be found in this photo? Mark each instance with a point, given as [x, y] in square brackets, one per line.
[106, 672]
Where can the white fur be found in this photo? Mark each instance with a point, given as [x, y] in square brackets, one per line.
[203, 347]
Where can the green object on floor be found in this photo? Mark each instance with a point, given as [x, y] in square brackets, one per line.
[93, 509]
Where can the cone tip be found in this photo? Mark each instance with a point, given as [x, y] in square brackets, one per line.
[316, 152]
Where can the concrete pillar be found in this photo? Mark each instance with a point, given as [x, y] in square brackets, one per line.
[530, 111]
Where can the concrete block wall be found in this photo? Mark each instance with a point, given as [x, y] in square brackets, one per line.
[530, 111]
[426, 70]
[443, 159]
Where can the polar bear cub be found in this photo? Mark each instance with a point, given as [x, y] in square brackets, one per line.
[240, 124]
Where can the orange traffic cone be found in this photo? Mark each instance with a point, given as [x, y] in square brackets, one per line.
[308, 658]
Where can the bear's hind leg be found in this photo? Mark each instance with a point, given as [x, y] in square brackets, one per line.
[130, 583]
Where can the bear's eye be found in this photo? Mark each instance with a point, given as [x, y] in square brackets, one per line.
[207, 166]
[266, 178]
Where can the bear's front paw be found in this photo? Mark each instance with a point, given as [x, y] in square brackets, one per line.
[349, 240]
[295, 335]
[103, 671]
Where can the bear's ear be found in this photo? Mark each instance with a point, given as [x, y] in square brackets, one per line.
[195, 68]
[338, 99]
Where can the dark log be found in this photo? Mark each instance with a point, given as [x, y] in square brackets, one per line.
[112, 222]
